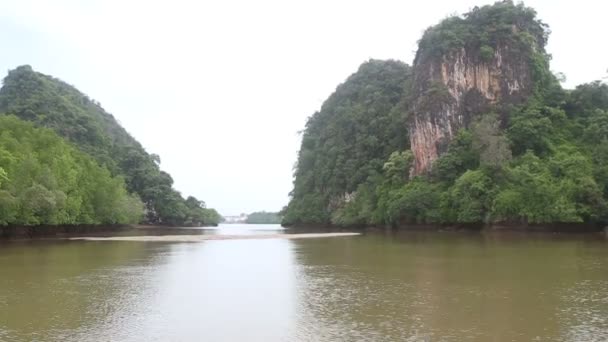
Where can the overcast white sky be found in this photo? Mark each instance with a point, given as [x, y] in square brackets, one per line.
[220, 89]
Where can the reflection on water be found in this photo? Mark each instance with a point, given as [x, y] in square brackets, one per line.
[222, 229]
[406, 287]
[457, 287]
[60, 290]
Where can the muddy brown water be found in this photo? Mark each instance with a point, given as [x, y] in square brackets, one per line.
[415, 286]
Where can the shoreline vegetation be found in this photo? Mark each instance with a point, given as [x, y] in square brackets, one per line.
[550, 228]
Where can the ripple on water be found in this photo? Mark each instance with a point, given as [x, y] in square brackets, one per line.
[339, 303]
[584, 311]
[119, 317]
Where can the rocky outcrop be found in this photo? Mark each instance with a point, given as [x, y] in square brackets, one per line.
[451, 89]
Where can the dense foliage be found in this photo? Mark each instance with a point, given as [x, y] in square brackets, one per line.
[547, 163]
[263, 217]
[484, 29]
[196, 213]
[44, 180]
[51, 103]
[349, 140]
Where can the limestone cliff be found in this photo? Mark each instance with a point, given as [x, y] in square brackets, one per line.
[453, 85]
[389, 118]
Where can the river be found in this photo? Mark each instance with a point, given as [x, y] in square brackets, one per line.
[432, 286]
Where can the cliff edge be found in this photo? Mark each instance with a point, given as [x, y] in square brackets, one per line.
[467, 66]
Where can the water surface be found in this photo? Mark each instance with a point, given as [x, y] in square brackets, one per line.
[377, 287]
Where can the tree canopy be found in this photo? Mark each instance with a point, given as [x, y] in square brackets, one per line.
[485, 29]
[349, 139]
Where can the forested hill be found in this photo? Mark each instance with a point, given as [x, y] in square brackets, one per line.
[348, 140]
[478, 131]
[51, 103]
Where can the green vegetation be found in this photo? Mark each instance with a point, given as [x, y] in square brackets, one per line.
[349, 140]
[485, 29]
[197, 214]
[47, 181]
[50, 103]
[263, 217]
[546, 162]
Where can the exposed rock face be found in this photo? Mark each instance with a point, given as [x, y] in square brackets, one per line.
[450, 90]
[340, 200]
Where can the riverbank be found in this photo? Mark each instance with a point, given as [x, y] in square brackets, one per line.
[31, 232]
[473, 227]
[41, 232]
